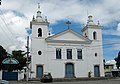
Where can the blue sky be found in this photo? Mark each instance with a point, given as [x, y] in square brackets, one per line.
[15, 16]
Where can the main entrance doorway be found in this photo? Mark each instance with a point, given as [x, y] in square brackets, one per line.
[69, 70]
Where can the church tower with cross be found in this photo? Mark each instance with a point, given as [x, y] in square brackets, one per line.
[39, 25]
[66, 54]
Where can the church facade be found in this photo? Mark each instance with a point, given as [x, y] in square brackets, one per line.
[66, 54]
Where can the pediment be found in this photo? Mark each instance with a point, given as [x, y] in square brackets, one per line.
[68, 35]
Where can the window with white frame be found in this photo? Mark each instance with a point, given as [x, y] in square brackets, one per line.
[58, 53]
[69, 53]
[79, 53]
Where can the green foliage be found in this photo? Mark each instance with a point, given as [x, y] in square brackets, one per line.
[17, 54]
[117, 59]
[20, 56]
[3, 55]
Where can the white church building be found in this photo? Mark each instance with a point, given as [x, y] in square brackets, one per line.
[66, 54]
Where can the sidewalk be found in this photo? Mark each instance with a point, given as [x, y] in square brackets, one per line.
[82, 79]
[79, 79]
[102, 80]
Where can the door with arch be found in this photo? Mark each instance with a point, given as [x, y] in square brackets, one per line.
[69, 70]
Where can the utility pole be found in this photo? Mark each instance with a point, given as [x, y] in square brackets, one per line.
[27, 62]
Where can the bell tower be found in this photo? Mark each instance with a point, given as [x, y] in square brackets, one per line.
[92, 31]
[39, 26]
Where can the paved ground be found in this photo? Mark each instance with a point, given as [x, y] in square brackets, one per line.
[109, 81]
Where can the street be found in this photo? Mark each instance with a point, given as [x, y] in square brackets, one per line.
[110, 81]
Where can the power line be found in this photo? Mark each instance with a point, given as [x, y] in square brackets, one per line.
[6, 34]
[6, 26]
[6, 23]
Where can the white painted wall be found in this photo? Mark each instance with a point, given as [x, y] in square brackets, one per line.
[68, 36]
[57, 66]
[89, 32]
[0, 74]
[20, 75]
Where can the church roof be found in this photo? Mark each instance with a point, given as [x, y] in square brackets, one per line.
[68, 36]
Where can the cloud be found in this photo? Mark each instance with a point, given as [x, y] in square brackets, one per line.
[12, 27]
[103, 10]
[118, 27]
[112, 28]
[17, 15]
[111, 32]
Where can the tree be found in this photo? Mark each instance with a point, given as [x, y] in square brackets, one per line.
[117, 59]
[17, 54]
[20, 56]
[3, 55]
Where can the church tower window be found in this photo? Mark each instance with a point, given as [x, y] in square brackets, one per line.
[94, 35]
[39, 32]
[95, 54]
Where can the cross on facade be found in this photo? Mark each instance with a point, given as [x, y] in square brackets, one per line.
[68, 22]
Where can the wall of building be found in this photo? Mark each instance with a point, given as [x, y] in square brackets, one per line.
[0, 74]
[57, 66]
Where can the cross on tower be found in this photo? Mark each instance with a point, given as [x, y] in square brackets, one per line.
[68, 22]
[38, 5]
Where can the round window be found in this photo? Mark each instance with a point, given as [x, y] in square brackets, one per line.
[39, 52]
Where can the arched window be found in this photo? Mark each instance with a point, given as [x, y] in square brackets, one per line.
[39, 32]
[95, 54]
[94, 35]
